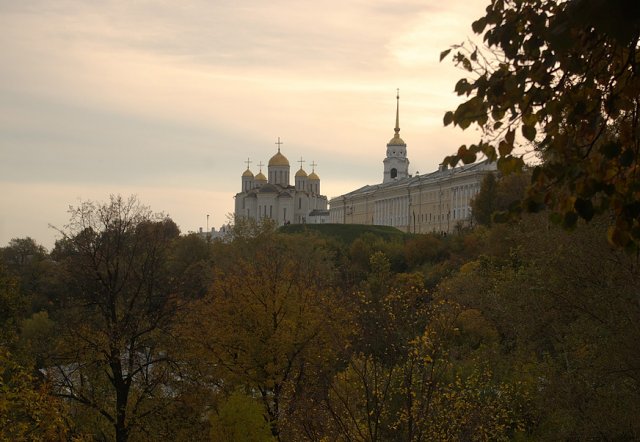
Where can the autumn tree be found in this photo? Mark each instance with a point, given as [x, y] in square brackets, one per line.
[269, 327]
[29, 262]
[497, 196]
[404, 381]
[27, 409]
[559, 79]
[565, 310]
[111, 359]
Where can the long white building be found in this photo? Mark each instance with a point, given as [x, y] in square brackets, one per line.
[434, 202]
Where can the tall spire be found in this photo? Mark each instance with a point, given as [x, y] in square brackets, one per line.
[397, 128]
[396, 140]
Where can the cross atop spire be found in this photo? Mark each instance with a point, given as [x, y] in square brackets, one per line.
[248, 162]
[279, 143]
[313, 165]
[301, 161]
[260, 166]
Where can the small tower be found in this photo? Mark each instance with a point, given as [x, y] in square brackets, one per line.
[301, 178]
[396, 164]
[260, 180]
[313, 180]
[247, 178]
[279, 168]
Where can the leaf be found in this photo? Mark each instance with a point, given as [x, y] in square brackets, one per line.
[510, 137]
[509, 164]
[469, 158]
[448, 118]
[584, 207]
[462, 86]
[479, 25]
[444, 53]
[529, 132]
[504, 148]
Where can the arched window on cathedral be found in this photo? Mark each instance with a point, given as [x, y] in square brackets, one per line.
[394, 172]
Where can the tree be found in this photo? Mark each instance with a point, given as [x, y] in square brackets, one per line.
[36, 273]
[497, 196]
[240, 418]
[28, 412]
[484, 203]
[559, 79]
[269, 326]
[403, 381]
[565, 308]
[111, 358]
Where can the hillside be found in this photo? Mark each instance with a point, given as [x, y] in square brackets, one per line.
[346, 233]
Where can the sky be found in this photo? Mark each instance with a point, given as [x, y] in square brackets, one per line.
[166, 100]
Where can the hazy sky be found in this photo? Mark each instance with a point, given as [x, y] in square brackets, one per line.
[167, 99]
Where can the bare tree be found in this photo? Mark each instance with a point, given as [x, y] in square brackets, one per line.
[112, 354]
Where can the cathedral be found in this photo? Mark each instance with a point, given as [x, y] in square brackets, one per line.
[434, 202]
[275, 198]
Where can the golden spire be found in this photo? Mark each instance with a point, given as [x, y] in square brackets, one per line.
[397, 128]
[396, 140]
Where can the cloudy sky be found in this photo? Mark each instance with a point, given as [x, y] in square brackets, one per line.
[167, 99]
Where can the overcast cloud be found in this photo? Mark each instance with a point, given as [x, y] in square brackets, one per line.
[167, 99]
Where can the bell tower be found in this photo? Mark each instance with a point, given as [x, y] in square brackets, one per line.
[396, 163]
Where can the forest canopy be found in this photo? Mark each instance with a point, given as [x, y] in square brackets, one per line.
[129, 331]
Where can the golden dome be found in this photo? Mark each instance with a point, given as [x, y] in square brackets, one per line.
[396, 141]
[313, 176]
[247, 173]
[278, 160]
[301, 173]
[260, 177]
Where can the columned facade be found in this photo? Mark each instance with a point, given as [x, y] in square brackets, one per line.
[439, 201]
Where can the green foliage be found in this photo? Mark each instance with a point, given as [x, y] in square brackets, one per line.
[27, 411]
[346, 233]
[270, 325]
[12, 306]
[512, 331]
[563, 308]
[484, 204]
[240, 418]
[498, 198]
[559, 79]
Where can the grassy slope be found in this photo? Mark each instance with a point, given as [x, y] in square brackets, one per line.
[345, 232]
